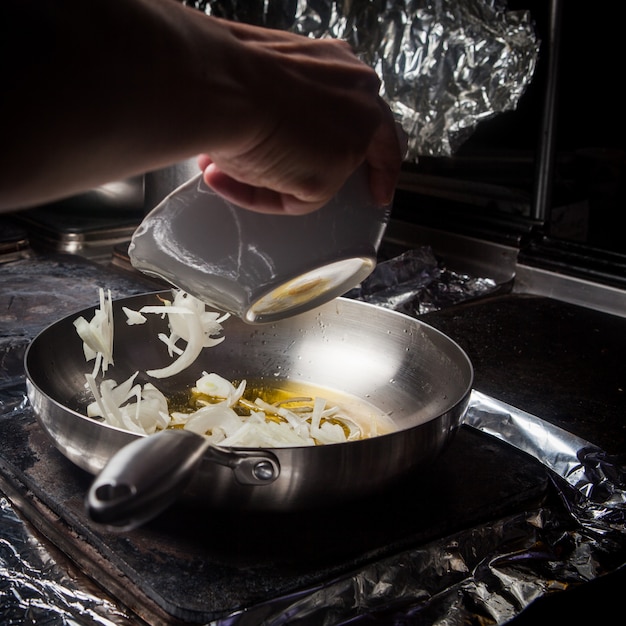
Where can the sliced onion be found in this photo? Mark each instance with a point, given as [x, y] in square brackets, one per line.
[215, 386]
[190, 354]
[145, 410]
[214, 417]
[146, 415]
[188, 320]
[97, 334]
[134, 317]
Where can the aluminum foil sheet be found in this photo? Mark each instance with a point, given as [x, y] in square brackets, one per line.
[37, 584]
[485, 574]
[492, 572]
[417, 282]
[35, 589]
[445, 65]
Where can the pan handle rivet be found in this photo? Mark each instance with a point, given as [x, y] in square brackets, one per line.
[264, 470]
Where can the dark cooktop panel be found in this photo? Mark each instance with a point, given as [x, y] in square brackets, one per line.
[196, 565]
[563, 363]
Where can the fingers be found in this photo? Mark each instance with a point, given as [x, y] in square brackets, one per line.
[384, 159]
[293, 154]
[253, 198]
[203, 160]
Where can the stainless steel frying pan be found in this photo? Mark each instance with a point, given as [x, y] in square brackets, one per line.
[404, 367]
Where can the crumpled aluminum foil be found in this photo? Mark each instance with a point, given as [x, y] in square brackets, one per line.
[417, 282]
[445, 66]
[36, 589]
[492, 572]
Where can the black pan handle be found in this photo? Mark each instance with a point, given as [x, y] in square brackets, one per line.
[146, 476]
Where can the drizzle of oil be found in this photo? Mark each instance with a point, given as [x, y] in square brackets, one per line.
[293, 395]
[188, 400]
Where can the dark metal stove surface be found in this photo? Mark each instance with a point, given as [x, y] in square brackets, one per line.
[561, 362]
[198, 565]
[72, 227]
[556, 360]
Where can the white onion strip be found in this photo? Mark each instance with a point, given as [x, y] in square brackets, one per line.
[97, 334]
[188, 320]
[191, 352]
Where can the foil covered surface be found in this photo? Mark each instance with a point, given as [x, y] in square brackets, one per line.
[444, 65]
[492, 572]
[417, 282]
[485, 574]
[36, 589]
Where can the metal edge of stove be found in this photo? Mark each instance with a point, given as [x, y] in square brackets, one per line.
[94, 246]
[15, 251]
[571, 289]
[487, 259]
[14, 240]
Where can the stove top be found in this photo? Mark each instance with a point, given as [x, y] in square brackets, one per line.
[198, 565]
[14, 242]
[81, 231]
[194, 566]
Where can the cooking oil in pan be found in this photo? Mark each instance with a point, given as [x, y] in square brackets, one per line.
[295, 396]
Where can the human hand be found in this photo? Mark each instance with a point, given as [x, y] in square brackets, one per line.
[314, 116]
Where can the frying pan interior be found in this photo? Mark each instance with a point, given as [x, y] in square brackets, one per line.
[409, 370]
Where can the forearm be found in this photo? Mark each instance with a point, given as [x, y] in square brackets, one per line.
[100, 90]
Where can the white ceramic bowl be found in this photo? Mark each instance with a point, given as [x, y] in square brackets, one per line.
[260, 267]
